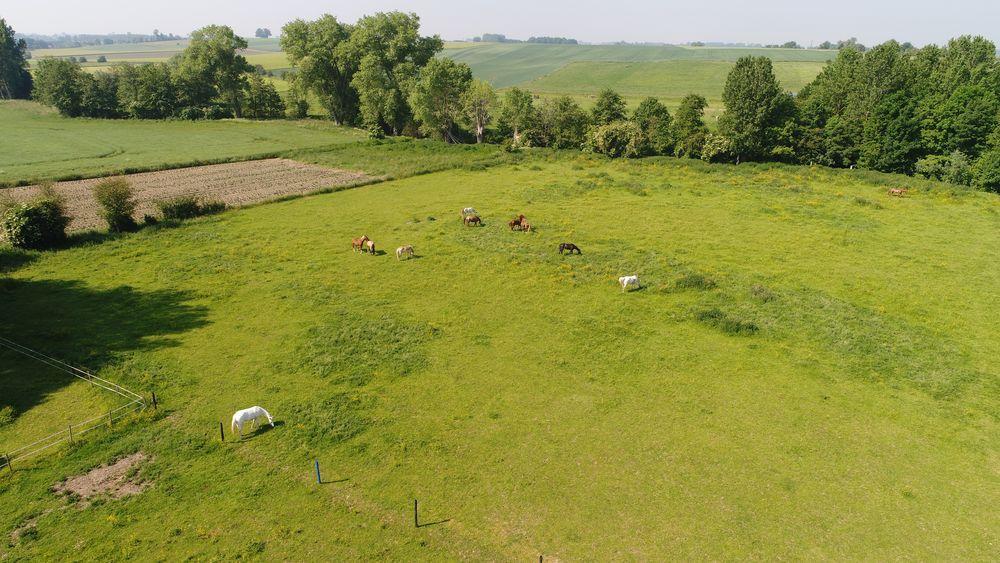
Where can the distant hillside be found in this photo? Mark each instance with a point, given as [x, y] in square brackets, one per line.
[506, 64]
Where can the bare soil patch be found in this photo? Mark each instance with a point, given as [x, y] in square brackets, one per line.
[116, 480]
[236, 184]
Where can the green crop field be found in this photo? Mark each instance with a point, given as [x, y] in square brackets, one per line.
[47, 146]
[505, 64]
[809, 371]
[668, 80]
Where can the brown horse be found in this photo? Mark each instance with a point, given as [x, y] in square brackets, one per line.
[570, 247]
[370, 245]
[358, 244]
[473, 220]
[514, 224]
[898, 192]
[525, 226]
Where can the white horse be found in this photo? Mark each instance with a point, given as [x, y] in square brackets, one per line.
[629, 281]
[469, 211]
[249, 415]
[404, 250]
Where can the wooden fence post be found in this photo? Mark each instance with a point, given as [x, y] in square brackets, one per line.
[416, 517]
[70, 428]
[318, 478]
[222, 432]
[154, 400]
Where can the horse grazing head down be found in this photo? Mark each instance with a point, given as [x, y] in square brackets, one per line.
[473, 220]
[250, 415]
[370, 245]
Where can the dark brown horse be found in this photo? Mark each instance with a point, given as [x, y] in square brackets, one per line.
[570, 247]
[473, 220]
[516, 223]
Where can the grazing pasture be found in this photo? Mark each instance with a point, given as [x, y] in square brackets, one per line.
[800, 376]
[235, 184]
[46, 146]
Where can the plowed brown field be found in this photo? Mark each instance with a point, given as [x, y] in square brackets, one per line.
[236, 184]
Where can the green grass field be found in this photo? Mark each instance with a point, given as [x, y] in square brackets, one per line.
[669, 80]
[47, 146]
[808, 372]
[506, 65]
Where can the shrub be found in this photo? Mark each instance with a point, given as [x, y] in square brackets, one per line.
[102, 59]
[694, 280]
[717, 148]
[6, 415]
[986, 172]
[38, 224]
[726, 323]
[188, 207]
[617, 139]
[954, 169]
[117, 199]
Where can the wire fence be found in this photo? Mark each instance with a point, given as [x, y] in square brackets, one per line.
[137, 403]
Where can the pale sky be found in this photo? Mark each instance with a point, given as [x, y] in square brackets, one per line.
[754, 21]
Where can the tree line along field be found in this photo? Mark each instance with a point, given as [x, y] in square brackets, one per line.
[576, 70]
[808, 371]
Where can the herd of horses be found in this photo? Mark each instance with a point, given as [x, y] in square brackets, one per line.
[471, 218]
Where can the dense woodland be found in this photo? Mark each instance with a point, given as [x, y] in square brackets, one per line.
[892, 108]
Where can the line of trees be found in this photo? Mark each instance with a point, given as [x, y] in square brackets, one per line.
[209, 79]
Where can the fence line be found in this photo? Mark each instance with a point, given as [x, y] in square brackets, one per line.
[136, 403]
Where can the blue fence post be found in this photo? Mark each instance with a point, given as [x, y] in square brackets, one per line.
[318, 478]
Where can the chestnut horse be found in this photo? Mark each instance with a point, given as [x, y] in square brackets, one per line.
[473, 220]
[898, 192]
[358, 244]
[525, 226]
[568, 246]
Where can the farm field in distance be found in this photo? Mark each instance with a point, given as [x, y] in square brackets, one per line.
[47, 146]
[807, 373]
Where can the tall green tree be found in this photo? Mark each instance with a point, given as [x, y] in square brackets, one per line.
[262, 99]
[480, 101]
[389, 51]
[318, 50]
[15, 80]
[653, 119]
[146, 91]
[437, 95]
[563, 123]
[212, 66]
[517, 112]
[610, 107]
[689, 126]
[756, 108]
[59, 83]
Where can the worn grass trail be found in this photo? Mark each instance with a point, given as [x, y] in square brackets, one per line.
[808, 372]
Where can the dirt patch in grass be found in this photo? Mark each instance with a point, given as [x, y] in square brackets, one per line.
[116, 480]
[235, 184]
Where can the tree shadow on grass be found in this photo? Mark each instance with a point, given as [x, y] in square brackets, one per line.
[83, 326]
[12, 259]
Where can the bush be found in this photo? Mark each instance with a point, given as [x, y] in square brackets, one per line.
[717, 148]
[954, 169]
[102, 59]
[191, 113]
[617, 139]
[38, 224]
[727, 323]
[117, 199]
[188, 207]
[695, 280]
[6, 415]
[986, 172]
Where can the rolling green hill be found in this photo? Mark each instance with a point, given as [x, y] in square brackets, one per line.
[506, 64]
[809, 371]
[670, 80]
